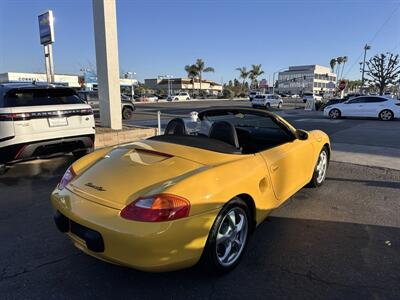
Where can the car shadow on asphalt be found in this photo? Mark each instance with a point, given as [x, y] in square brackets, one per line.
[373, 183]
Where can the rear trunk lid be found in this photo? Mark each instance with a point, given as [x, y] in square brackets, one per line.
[126, 173]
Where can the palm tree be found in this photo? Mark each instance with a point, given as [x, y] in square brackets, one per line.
[200, 68]
[344, 62]
[332, 63]
[243, 73]
[254, 73]
[192, 73]
[339, 61]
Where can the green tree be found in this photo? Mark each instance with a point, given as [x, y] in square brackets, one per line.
[344, 61]
[383, 69]
[243, 73]
[332, 63]
[339, 61]
[254, 73]
[201, 68]
[192, 74]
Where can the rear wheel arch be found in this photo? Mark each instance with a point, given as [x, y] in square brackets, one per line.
[246, 198]
[328, 150]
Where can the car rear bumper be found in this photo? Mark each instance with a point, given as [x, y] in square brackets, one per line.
[149, 246]
[30, 150]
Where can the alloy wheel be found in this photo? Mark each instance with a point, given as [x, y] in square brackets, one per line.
[322, 166]
[334, 114]
[231, 236]
[386, 115]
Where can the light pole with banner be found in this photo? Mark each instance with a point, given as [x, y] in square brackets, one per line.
[46, 31]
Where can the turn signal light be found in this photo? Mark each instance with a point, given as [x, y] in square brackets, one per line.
[67, 178]
[157, 208]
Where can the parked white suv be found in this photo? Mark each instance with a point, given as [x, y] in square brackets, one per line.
[267, 101]
[179, 96]
[41, 120]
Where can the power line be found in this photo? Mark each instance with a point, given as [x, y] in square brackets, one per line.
[373, 38]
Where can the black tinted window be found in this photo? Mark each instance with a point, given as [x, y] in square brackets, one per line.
[374, 99]
[36, 97]
[358, 100]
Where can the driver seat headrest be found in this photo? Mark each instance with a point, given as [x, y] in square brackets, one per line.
[225, 132]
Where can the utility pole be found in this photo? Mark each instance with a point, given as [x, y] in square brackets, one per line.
[366, 47]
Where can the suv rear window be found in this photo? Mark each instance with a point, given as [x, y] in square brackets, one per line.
[36, 97]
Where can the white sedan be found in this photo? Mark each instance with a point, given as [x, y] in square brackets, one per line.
[380, 107]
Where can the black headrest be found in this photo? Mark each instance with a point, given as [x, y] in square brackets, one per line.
[226, 132]
[175, 127]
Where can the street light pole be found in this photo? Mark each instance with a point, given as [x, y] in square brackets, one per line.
[366, 47]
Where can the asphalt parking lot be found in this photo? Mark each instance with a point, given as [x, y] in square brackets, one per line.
[341, 241]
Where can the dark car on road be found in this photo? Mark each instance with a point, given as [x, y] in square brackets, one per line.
[92, 98]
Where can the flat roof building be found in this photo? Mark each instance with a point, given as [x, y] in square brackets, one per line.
[174, 85]
[64, 79]
[308, 78]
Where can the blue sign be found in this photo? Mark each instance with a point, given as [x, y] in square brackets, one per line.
[46, 28]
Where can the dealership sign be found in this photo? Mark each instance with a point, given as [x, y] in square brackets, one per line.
[46, 28]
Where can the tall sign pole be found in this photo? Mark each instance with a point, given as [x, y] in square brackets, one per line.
[46, 30]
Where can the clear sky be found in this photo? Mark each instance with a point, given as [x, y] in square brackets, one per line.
[161, 37]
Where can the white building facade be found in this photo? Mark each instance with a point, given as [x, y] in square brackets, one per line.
[306, 79]
[67, 80]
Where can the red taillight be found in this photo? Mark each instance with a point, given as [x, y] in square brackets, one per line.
[67, 178]
[86, 111]
[158, 208]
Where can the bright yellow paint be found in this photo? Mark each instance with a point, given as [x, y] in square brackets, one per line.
[207, 179]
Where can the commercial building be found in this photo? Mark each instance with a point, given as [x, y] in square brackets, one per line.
[75, 81]
[309, 78]
[174, 85]
[63, 79]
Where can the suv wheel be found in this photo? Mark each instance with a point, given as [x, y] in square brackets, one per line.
[3, 169]
[127, 113]
[81, 153]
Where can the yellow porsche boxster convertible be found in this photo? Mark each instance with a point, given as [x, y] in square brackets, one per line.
[193, 194]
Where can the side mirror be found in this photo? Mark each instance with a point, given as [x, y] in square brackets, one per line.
[301, 134]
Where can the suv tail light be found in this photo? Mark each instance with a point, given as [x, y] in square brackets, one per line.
[67, 178]
[157, 208]
[14, 117]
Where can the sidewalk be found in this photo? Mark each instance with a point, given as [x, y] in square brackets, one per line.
[371, 156]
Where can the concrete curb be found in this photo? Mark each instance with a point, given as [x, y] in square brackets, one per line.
[115, 137]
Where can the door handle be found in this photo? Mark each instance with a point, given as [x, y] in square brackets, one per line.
[274, 168]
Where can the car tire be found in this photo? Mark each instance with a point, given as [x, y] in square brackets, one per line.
[267, 106]
[334, 113]
[187, 98]
[176, 99]
[228, 238]
[3, 169]
[80, 153]
[127, 113]
[386, 115]
[320, 169]
[280, 105]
